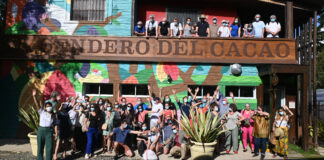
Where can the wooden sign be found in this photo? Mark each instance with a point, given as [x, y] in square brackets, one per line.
[207, 50]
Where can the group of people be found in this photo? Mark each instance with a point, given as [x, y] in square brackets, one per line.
[257, 29]
[152, 128]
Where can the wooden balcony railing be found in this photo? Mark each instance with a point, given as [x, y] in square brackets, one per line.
[204, 50]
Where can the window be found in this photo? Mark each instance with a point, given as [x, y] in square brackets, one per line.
[134, 90]
[203, 90]
[88, 10]
[241, 91]
[182, 14]
[98, 89]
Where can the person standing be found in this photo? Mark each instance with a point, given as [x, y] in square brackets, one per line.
[236, 28]
[53, 100]
[202, 28]
[139, 102]
[47, 127]
[188, 29]
[213, 28]
[157, 107]
[260, 131]
[281, 125]
[249, 32]
[224, 30]
[151, 27]
[164, 27]
[139, 29]
[247, 127]
[176, 28]
[107, 127]
[233, 119]
[258, 26]
[273, 27]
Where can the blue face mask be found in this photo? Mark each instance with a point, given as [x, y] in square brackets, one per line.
[92, 109]
[128, 108]
[281, 113]
[166, 107]
[108, 108]
[116, 106]
[257, 19]
[189, 97]
[140, 109]
[202, 105]
[139, 102]
[214, 21]
[167, 100]
[88, 106]
[100, 102]
[125, 126]
[216, 109]
[204, 100]
[230, 110]
[224, 102]
[144, 128]
[273, 20]
[185, 100]
[174, 131]
[152, 133]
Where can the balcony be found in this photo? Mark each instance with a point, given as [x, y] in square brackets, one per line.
[201, 50]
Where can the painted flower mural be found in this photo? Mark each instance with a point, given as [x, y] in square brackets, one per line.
[161, 72]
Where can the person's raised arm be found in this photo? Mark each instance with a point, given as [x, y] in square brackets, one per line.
[232, 95]
[160, 93]
[35, 100]
[175, 95]
[190, 92]
[196, 92]
[150, 104]
[208, 100]
[287, 109]
[150, 92]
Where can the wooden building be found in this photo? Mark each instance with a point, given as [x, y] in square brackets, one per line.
[82, 47]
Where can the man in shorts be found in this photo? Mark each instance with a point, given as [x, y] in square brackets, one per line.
[121, 135]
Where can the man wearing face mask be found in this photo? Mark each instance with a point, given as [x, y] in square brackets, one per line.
[151, 27]
[139, 29]
[123, 104]
[273, 28]
[164, 27]
[121, 134]
[224, 30]
[176, 28]
[213, 28]
[169, 135]
[258, 26]
[202, 28]
[139, 102]
[249, 32]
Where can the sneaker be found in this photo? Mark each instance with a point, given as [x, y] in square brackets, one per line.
[236, 152]
[227, 151]
[255, 155]
[262, 156]
[86, 156]
[244, 150]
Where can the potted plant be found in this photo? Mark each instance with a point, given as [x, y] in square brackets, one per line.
[203, 130]
[30, 117]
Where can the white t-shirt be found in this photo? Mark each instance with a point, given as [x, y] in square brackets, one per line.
[156, 107]
[176, 29]
[224, 31]
[149, 25]
[273, 27]
[149, 155]
[284, 123]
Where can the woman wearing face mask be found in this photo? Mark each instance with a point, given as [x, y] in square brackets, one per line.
[81, 137]
[167, 113]
[273, 27]
[142, 139]
[187, 30]
[249, 33]
[94, 117]
[247, 127]
[236, 28]
[154, 140]
[203, 105]
[140, 117]
[107, 128]
[46, 129]
[118, 114]
[233, 120]
[172, 107]
[224, 30]
[281, 122]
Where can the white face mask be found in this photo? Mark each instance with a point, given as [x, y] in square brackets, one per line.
[49, 109]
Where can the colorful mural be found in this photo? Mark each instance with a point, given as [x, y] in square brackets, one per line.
[161, 72]
[53, 18]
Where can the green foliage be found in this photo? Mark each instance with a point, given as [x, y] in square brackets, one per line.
[203, 128]
[310, 154]
[30, 117]
[321, 130]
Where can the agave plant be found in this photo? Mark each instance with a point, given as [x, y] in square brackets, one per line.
[202, 128]
[30, 117]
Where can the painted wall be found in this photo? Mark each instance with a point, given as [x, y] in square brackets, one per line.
[210, 10]
[19, 78]
[53, 18]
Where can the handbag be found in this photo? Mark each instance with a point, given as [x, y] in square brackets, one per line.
[278, 131]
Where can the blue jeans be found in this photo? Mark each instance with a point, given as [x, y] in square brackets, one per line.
[257, 142]
[92, 136]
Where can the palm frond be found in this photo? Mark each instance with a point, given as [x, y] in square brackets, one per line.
[29, 117]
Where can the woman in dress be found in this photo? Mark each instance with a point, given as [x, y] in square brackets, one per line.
[107, 128]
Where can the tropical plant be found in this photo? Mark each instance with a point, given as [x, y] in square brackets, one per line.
[30, 117]
[202, 128]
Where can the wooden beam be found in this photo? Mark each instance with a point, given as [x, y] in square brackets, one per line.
[315, 110]
[289, 19]
[305, 114]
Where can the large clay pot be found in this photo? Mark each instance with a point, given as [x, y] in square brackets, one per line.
[33, 142]
[202, 151]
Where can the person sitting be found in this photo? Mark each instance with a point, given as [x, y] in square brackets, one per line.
[164, 27]
[151, 27]
[121, 134]
[273, 27]
[154, 140]
[169, 135]
[249, 33]
[142, 139]
[181, 147]
[139, 29]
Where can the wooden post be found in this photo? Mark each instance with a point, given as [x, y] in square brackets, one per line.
[310, 75]
[289, 17]
[304, 114]
[315, 110]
